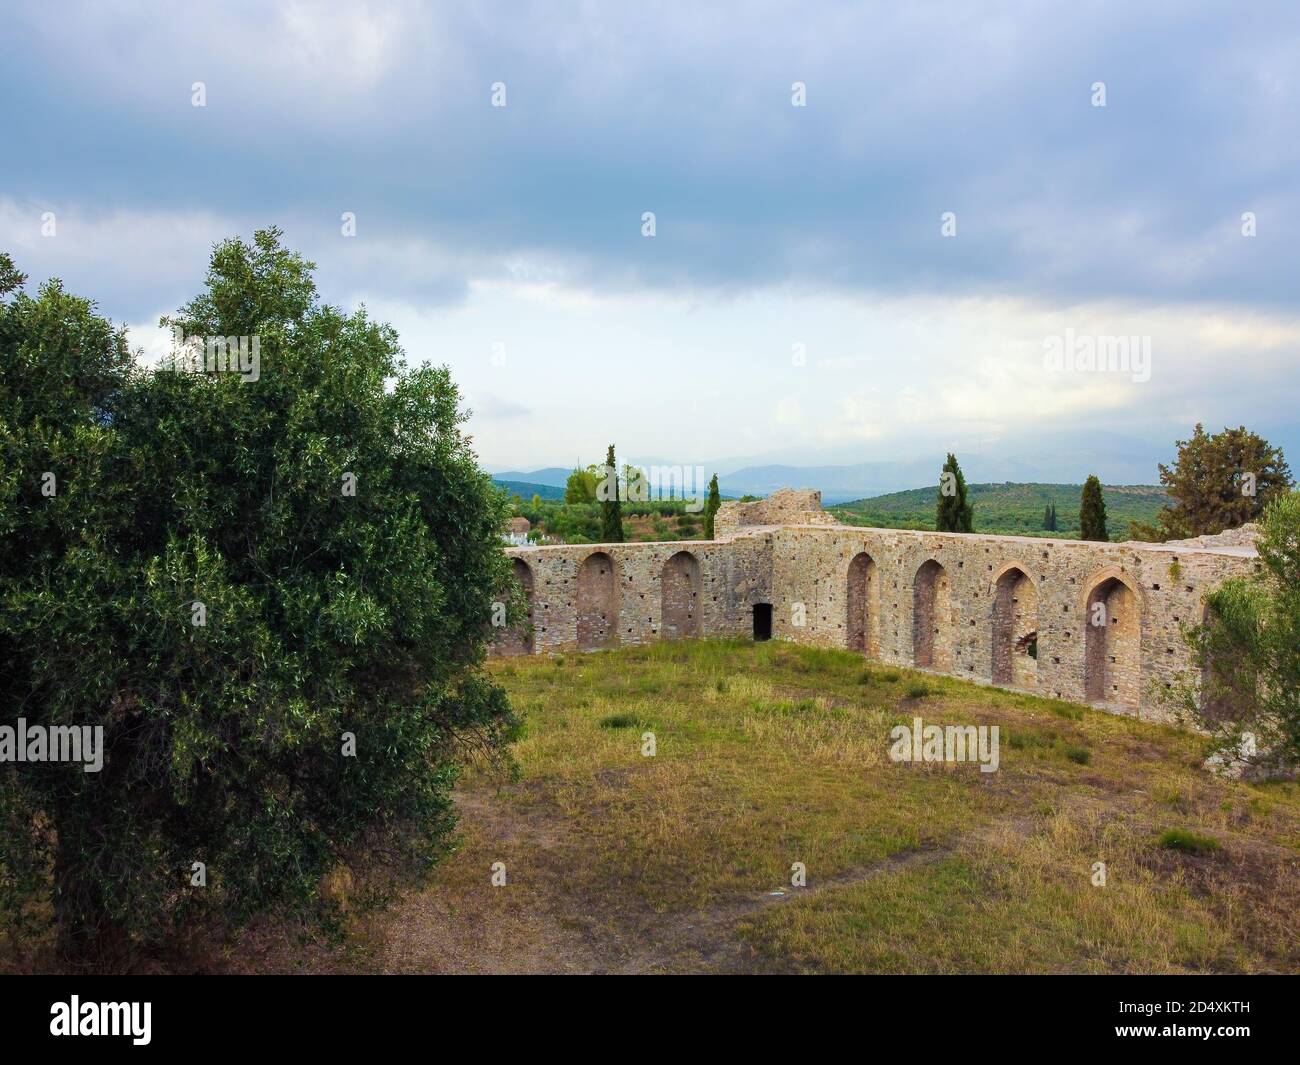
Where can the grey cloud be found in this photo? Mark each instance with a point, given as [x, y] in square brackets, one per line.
[911, 112]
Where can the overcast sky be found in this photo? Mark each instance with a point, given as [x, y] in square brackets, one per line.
[799, 299]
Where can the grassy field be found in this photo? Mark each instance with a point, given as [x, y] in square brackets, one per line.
[769, 754]
[1009, 509]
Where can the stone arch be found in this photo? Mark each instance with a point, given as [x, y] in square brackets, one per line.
[1015, 627]
[679, 589]
[1112, 668]
[597, 602]
[932, 622]
[518, 639]
[863, 600]
[1085, 597]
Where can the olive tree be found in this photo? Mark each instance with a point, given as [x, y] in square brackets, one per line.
[271, 590]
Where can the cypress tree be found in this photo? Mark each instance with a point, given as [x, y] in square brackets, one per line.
[711, 507]
[611, 513]
[1092, 511]
[953, 513]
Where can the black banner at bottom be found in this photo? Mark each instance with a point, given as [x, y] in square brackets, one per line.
[337, 1014]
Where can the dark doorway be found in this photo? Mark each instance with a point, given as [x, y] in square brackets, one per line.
[762, 621]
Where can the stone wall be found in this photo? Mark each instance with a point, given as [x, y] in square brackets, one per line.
[955, 605]
[519, 639]
[1016, 611]
[679, 593]
[711, 588]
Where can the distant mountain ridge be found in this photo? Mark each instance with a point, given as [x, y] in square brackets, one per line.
[552, 476]
[527, 489]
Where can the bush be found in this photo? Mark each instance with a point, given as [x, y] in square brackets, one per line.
[1184, 839]
[1247, 689]
[324, 613]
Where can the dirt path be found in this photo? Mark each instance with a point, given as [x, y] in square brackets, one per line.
[538, 926]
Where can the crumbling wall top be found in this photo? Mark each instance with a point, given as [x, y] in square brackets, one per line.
[1243, 536]
[786, 506]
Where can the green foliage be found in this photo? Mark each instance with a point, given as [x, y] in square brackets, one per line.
[326, 613]
[1248, 650]
[1218, 482]
[611, 515]
[581, 485]
[1049, 518]
[1092, 511]
[953, 512]
[711, 507]
[581, 523]
[1187, 841]
[1009, 509]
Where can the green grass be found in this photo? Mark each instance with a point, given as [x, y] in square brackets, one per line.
[771, 753]
[1061, 861]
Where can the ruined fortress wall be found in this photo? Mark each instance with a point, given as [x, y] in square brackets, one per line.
[711, 591]
[1000, 590]
[1015, 611]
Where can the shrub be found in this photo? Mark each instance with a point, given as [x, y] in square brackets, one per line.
[1184, 839]
[1248, 651]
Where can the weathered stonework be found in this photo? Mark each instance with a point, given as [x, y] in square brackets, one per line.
[1089, 622]
[711, 589]
[787, 506]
